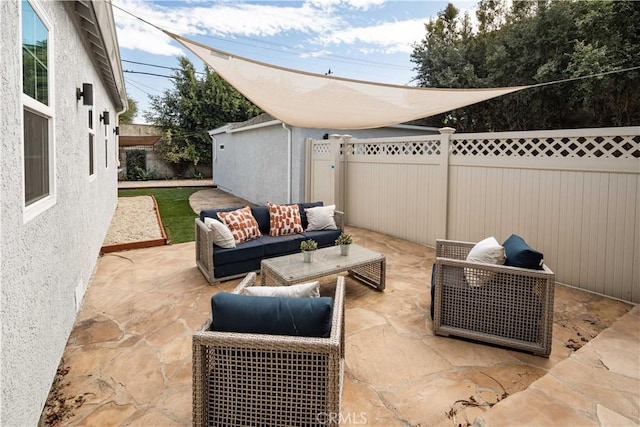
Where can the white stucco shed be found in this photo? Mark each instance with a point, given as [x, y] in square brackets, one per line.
[263, 159]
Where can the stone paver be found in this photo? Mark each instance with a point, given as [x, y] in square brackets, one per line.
[129, 354]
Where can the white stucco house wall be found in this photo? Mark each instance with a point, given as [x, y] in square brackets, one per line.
[58, 182]
[263, 160]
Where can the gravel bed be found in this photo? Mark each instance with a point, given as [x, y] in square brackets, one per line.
[135, 220]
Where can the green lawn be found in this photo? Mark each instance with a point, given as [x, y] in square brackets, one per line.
[175, 211]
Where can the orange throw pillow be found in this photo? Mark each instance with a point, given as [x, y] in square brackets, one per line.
[242, 224]
[284, 220]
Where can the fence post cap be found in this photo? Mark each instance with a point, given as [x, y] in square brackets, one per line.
[446, 130]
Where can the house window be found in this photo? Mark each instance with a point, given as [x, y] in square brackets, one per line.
[38, 114]
[92, 145]
[92, 159]
[106, 148]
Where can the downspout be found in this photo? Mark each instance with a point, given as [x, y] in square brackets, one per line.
[289, 163]
[214, 142]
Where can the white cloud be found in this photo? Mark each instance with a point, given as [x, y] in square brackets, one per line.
[353, 4]
[324, 22]
[224, 19]
[388, 37]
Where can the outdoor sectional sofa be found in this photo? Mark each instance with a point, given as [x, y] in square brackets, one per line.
[218, 264]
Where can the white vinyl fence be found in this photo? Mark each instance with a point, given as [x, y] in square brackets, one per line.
[573, 194]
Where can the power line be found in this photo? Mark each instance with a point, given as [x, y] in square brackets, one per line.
[147, 74]
[158, 66]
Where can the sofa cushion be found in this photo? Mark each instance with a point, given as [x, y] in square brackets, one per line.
[243, 251]
[213, 213]
[261, 214]
[236, 268]
[221, 234]
[284, 220]
[301, 290]
[281, 245]
[242, 224]
[309, 317]
[324, 238]
[321, 218]
[520, 254]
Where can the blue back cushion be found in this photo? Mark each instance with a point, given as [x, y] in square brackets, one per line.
[520, 254]
[213, 213]
[304, 317]
[261, 214]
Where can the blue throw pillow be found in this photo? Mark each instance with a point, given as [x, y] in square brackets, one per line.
[304, 317]
[520, 254]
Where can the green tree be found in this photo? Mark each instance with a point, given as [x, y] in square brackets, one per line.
[186, 112]
[127, 117]
[536, 42]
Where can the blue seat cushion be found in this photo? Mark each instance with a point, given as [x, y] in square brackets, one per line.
[324, 238]
[243, 251]
[236, 268]
[281, 245]
[304, 317]
[520, 254]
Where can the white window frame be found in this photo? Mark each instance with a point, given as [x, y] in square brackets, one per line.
[47, 111]
[92, 139]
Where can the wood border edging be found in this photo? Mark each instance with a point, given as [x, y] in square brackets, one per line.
[140, 244]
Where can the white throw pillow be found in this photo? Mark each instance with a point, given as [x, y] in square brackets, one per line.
[303, 290]
[486, 251]
[321, 218]
[221, 234]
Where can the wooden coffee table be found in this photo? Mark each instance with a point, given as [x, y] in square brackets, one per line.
[363, 264]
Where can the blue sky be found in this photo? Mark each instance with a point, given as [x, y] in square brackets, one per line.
[359, 39]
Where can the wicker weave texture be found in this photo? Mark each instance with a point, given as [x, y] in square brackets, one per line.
[262, 380]
[364, 264]
[514, 308]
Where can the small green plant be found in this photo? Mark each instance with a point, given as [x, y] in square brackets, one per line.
[343, 239]
[139, 174]
[196, 174]
[308, 245]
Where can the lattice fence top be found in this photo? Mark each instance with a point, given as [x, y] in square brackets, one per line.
[402, 148]
[321, 149]
[602, 147]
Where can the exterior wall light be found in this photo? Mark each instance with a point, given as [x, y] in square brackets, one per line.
[104, 117]
[86, 94]
[116, 130]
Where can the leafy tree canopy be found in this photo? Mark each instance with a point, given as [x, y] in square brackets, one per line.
[536, 42]
[196, 104]
[127, 117]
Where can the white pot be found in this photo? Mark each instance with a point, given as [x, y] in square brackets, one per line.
[308, 256]
[344, 250]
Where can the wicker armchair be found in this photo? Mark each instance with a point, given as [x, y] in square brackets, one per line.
[269, 380]
[514, 309]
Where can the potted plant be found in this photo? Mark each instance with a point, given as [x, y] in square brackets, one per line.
[344, 240]
[308, 247]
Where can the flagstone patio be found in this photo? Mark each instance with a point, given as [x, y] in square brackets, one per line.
[128, 358]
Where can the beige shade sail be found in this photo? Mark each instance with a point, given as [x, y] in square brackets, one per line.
[316, 101]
